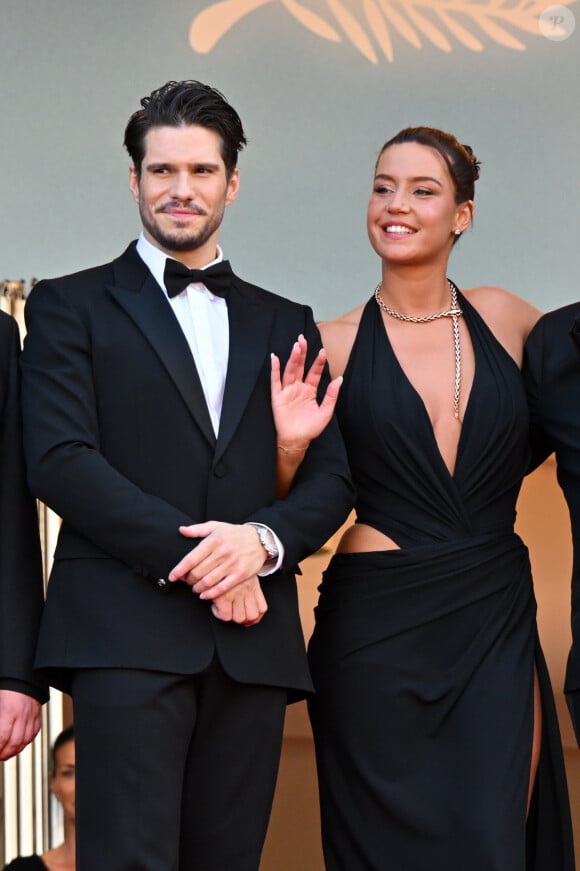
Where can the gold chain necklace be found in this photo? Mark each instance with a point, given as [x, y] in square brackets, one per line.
[453, 312]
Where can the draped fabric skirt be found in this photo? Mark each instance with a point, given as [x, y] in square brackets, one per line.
[423, 663]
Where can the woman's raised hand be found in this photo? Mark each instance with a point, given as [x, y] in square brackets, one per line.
[298, 416]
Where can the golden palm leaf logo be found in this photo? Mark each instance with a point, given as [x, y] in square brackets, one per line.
[375, 24]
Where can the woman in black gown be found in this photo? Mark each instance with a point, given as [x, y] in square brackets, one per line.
[435, 731]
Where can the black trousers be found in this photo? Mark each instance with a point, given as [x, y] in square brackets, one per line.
[173, 772]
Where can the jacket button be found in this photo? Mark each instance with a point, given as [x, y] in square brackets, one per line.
[161, 584]
[219, 470]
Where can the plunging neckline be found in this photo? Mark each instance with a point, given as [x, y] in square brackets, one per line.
[421, 401]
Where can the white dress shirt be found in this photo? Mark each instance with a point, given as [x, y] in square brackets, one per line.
[203, 318]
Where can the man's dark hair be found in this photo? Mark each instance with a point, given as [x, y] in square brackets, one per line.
[177, 104]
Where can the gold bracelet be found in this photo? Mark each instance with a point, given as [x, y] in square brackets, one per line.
[287, 451]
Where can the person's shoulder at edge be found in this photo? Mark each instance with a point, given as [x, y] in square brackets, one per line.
[26, 863]
[510, 318]
[562, 317]
[6, 321]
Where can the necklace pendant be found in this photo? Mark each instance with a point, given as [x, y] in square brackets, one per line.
[453, 312]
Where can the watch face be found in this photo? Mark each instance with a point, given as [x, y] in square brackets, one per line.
[268, 543]
[267, 540]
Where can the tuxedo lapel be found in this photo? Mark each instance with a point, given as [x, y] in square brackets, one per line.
[250, 328]
[140, 296]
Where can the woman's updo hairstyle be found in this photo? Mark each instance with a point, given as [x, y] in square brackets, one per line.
[461, 162]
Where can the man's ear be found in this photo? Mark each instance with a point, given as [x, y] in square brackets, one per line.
[134, 182]
[233, 186]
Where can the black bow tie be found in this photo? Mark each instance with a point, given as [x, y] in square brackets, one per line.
[216, 278]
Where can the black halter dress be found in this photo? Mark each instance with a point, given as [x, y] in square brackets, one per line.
[423, 658]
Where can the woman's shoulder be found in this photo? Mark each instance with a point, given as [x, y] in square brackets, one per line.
[348, 319]
[497, 300]
[338, 338]
[509, 317]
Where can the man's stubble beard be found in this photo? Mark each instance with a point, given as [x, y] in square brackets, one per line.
[184, 240]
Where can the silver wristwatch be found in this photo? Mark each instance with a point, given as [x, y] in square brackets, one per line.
[266, 540]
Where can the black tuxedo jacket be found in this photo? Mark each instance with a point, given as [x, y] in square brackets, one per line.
[119, 443]
[21, 592]
[552, 374]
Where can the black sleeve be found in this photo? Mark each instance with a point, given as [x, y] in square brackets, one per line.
[532, 372]
[21, 590]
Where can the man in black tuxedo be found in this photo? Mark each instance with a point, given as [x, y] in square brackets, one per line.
[149, 430]
[21, 690]
[552, 374]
